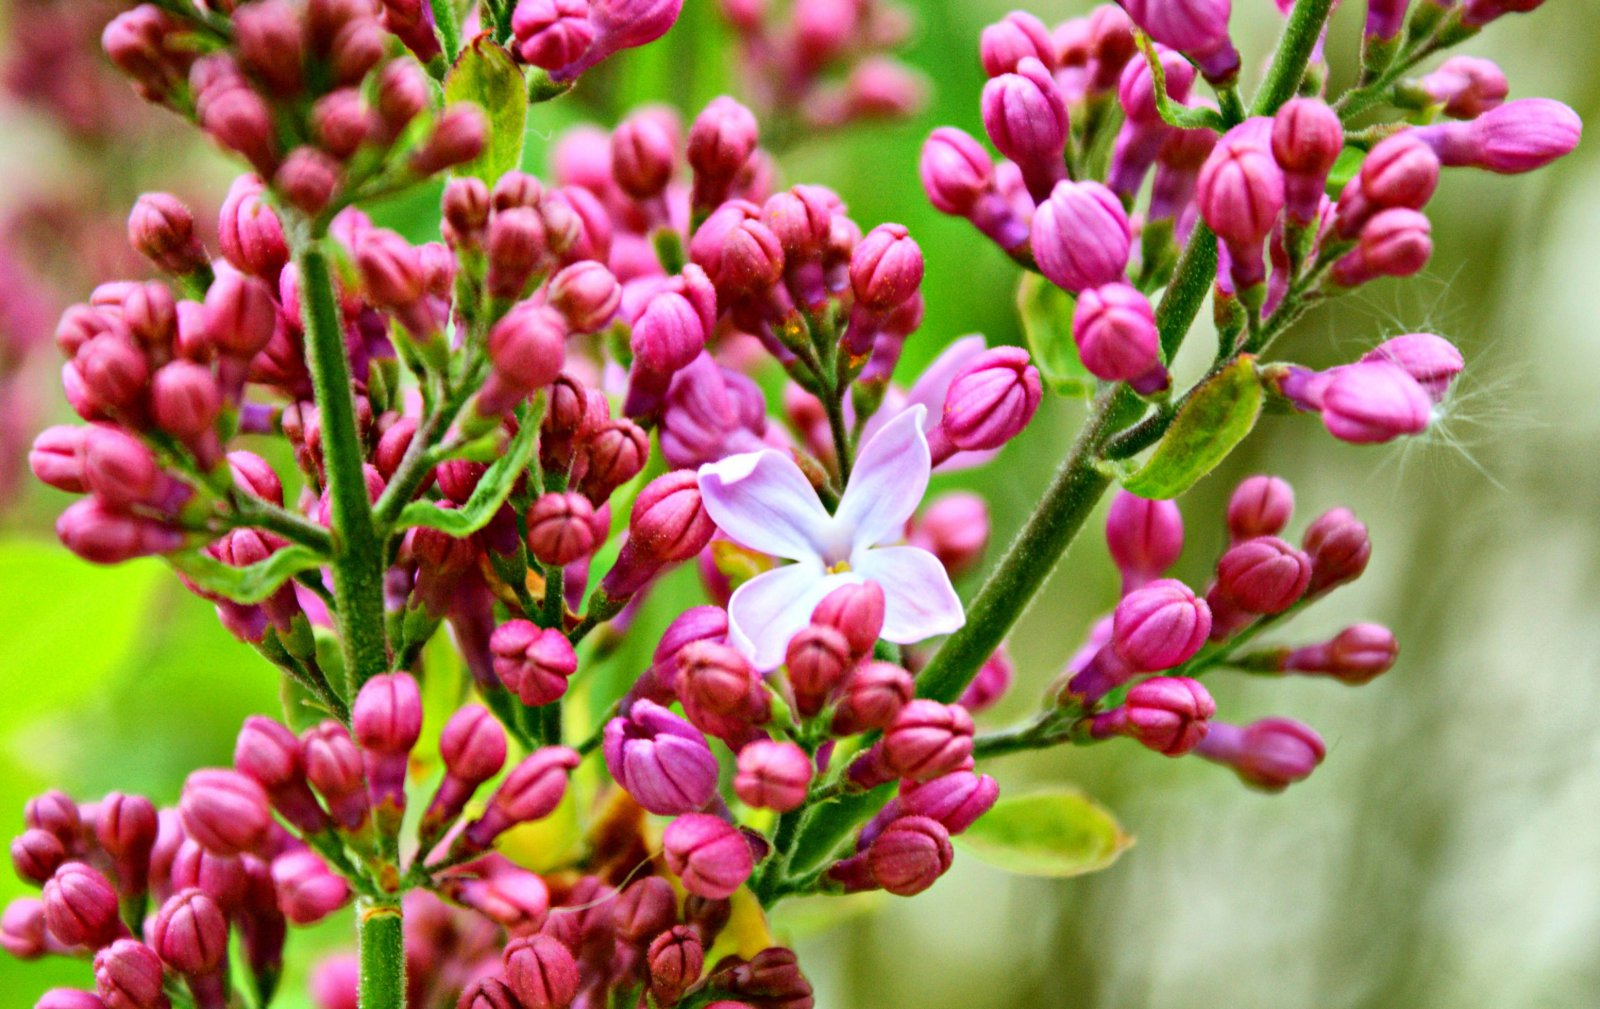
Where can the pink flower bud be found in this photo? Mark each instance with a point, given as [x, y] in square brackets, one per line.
[954, 800]
[1432, 360]
[616, 453]
[1026, 118]
[910, 855]
[669, 522]
[1114, 327]
[387, 720]
[1081, 236]
[1385, 18]
[587, 294]
[125, 826]
[644, 153]
[1339, 548]
[1239, 194]
[80, 907]
[993, 680]
[225, 812]
[249, 232]
[22, 929]
[856, 612]
[1136, 87]
[69, 998]
[991, 400]
[190, 933]
[268, 753]
[675, 959]
[561, 528]
[185, 399]
[1480, 12]
[708, 854]
[307, 890]
[128, 975]
[667, 335]
[519, 248]
[1395, 243]
[772, 775]
[400, 95]
[102, 535]
[645, 908]
[1307, 136]
[551, 34]
[459, 136]
[36, 855]
[1160, 625]
[534, 664]
[817, 659]
[308, 179]
[1168, 714]
[540, 972]
[1516, 137]
[717, 679]
[721, 141]
[885, 268]
[528, 347]
[119, 469]
[1271, 754]
[531, 791]
[240, 120]
[1356, 655]
[872, 697]
[334, 768]
[162, 229]
[1401, 171]
[660, 760]
[1466, 86]
[1263, 574]
[954, 528]
[1198, 28]
[1144, 537]
[55, 812]
[927, 739]
[955, 169]
[114, 370]
[56, 458]
[1375, 402]
[472, 745]
[1013, 38]
[342, 122]
[240, 315]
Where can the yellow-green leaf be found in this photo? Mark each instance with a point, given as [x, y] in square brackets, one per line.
[486, 75]
[248, 584]
[1055, 833]
[1208, 426]
[1046, 312]
[491, 491]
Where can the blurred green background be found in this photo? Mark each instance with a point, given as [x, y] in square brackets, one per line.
[1447, 853]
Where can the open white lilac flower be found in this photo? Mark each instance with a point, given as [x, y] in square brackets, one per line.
[764, 502]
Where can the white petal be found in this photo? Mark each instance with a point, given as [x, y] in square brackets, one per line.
[933, 384]
[769, 609]
[887, 484]
[763, 501]
[919, 601]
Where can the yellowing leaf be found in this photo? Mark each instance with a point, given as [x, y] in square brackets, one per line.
[1055, 833]
[1046, 312]
[1208, 426]
[485, 74]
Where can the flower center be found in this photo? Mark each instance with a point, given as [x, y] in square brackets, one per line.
[839, 568]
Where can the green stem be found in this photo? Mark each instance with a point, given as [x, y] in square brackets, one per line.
[444, 20]
[1294, 53]
[357, 551]
[383, 957]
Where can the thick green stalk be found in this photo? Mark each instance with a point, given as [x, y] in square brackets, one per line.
[357, 551]
[1294, 53]
[383, 956]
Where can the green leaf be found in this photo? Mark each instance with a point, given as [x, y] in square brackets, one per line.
[1055, 833]
[1209, 424]
[248, 584]
[487, 497]
[1046, 312]
[485, 74]
[1347, 167]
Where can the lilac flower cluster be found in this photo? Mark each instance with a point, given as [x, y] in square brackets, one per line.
[469, 418]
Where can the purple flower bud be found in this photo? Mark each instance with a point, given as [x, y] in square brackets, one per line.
[225, 812]
[1160, 625]
[770, 978]
[954, 800]
[102, 535]
[333, 766]
[645, 908]
[927, 739]
[484, 993]
[669, 522]
[721, 141]
[56, 458]
[1114, 327]
[459, 136]
[1307, 136]
[817, 659]
[69, 998]
[1432, 360]
[1081, 236]
[1198, 28]
[1026, 118]
[856, 612]
[1144, 537]
[872, 697]
[162, 229]
[22, 929]
[675, 959]
[185, 399]
[80, 907]
[956, 171]
[1271, 754]
[1013, 38]
[561, 528]
[1480, 12]
[541, 972]
[307, 890]
[1136, 87]
[534, 664]
[531, 791]
[910, 855]
[1375, 402]
[1466, 86]
[1401, 171]
[240, 315]
[190, 934]
[885, 268]
[1168, 714]
[1339, 549]
[644, 152]
[1395, 243]
[1239, 194]
[387, 720]
[551, 34]
[1516, 137]
[527, 348]
[128, 975]
[708, 854]
[55, 812]
[36, 855]
[267, 752]
[1356, 655]
[990, 400]
[587, 294]
[126, 826]
[249, 232]
[660, 760]
[1260, 506]
[615, 453]
[668, 335]
[1263, 575]
[772, 775]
